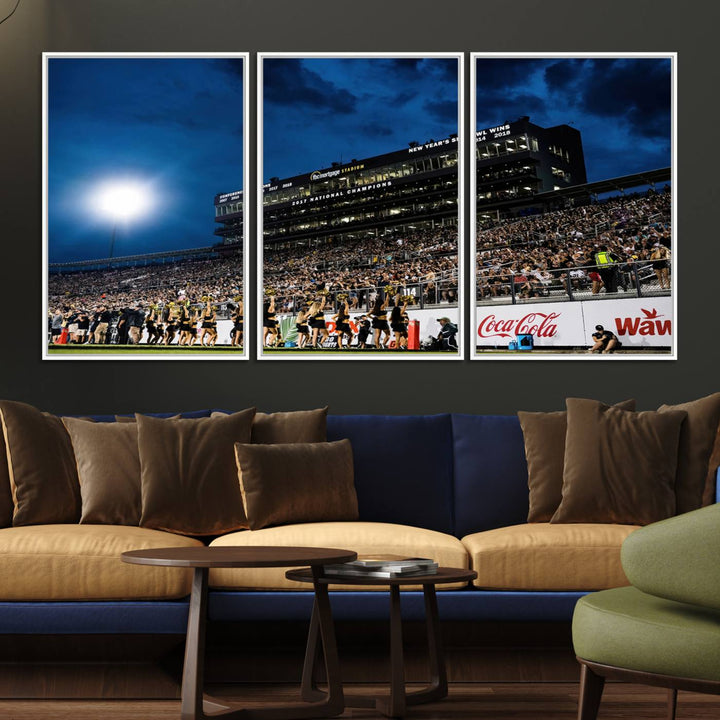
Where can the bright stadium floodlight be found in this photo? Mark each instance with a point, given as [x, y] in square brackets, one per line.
[123, 200]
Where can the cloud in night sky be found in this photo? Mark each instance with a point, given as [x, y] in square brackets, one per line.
[621, 106]
[323, 110]
[172, 124]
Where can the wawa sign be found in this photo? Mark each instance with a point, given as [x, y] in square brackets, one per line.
[638, 322]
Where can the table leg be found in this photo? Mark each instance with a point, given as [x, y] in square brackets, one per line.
[438, 687]
[195, 707]
[193, 670]
[395, 705]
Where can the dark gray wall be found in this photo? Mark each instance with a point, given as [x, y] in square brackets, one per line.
[337, 25]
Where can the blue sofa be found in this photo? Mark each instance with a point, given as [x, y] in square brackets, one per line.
[454, 474]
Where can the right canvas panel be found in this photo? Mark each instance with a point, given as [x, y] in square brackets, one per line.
[573, 192]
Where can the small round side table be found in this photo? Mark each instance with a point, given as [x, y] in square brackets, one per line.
[193, 705]
[395, 704]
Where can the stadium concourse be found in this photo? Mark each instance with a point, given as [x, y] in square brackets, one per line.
[601, 249]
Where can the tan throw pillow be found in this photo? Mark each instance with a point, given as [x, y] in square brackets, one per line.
[544, 435]
[697, 438]
[108, 466]
[297, 483]
[619, 466]
[41, 466]
[188, 474]
[298, 426]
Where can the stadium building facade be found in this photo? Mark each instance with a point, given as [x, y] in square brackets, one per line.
[516, 161]
[229, 216]
[413, 188]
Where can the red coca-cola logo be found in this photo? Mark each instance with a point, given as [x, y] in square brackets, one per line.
[541, 325]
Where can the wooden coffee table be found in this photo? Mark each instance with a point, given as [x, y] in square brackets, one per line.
[193, 705]
[395, 704]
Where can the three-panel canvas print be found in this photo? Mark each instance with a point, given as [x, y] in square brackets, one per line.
[365, 182]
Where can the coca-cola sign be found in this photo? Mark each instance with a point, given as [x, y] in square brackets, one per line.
[538, 324]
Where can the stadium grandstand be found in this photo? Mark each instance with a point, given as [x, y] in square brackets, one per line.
[357, 228]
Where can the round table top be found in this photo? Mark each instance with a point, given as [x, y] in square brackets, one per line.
[443, 575]
[238, 557]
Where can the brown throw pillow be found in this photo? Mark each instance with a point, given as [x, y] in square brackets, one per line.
[619, 466]
[108, 466]
[697, 438]
[544, 435]
[41, 466]
[298, 426]
[6, 501]
[297, 483]
[188, 474]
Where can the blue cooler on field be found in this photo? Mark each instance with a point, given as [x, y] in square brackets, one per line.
[524, 342]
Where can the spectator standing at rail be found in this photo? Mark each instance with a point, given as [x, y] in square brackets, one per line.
[659, 257]
[607, 267]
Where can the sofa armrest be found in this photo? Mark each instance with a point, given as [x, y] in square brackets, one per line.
[677, 558]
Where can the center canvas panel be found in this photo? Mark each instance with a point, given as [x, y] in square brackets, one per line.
[360, 206]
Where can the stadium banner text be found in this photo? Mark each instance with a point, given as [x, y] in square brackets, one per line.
[637, 322]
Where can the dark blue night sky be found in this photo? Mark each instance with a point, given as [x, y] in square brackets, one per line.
[172, 125]
[622, 107]
[323, 110]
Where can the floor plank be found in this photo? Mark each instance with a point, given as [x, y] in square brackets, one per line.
[476, 701]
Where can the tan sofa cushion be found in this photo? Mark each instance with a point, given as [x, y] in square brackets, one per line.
[365, 538]
[544, 556]
[82, 562]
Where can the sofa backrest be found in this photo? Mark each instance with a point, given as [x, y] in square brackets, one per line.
[403, 467]
[490, 482]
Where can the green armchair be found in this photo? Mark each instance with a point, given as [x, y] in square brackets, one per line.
[664, 629]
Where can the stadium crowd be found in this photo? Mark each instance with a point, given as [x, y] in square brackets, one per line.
[168, 303]
[594, 246]
[423, 261]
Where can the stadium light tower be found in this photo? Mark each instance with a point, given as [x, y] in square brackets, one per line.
[122, 202]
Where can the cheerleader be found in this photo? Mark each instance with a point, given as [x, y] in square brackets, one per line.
[208, 325]
[301, 325]
[317, 322]
[193, 323]
[184, 326]
[237, 330]
[342, 324]
[154, 329]
[380, 323]
[270, 323]
[169, 319]
[397, 323]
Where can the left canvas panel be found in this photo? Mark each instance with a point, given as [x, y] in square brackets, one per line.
[144, 238]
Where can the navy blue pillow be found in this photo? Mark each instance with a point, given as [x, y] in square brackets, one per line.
[491, 478]
[111, 418]
[403, 467]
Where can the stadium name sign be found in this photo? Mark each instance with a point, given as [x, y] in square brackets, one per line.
[321, 175]
[433, 144]
[342, 193]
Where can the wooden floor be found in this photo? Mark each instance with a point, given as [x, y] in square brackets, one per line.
[479, 701]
